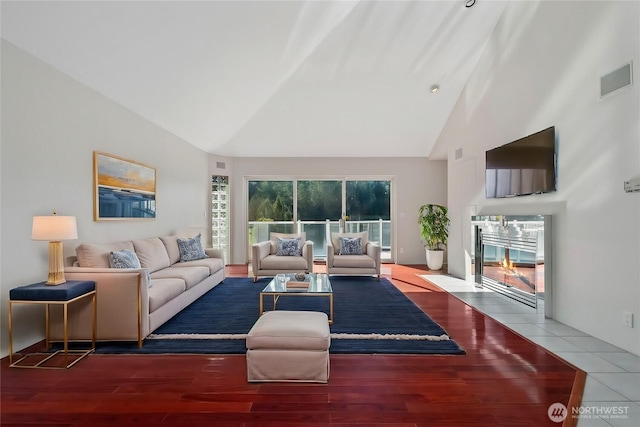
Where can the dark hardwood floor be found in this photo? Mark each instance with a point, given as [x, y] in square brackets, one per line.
[503, 380]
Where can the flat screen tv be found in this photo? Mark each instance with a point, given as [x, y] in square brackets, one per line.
[525, 166]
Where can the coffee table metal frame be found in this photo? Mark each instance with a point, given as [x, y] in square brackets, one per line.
[319, 286]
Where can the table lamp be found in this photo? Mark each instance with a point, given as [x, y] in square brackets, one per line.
[55, 229]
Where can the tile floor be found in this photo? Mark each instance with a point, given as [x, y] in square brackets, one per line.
[612, 390]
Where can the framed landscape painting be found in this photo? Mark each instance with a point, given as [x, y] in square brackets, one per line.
[123, 189]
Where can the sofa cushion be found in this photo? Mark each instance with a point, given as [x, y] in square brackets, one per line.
[96, 255]
[275, 236]
[354, 261]
[191, 249]
[163, 291]
[350, 246]
[335, 240]
[190, 275]
[275, 262]
[290, 330]
[289, 247]
[171, 244]
[152, 254]
[213, 264]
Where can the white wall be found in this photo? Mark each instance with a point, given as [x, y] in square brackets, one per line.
[51, 125]
[542, 68]
[417, 181]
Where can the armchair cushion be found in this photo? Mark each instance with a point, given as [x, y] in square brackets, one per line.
[275, 236]
[335, 241]
[354, 261]
[350, 246]
[289, 247]
[284, 263]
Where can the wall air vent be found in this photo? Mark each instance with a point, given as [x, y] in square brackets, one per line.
[616, 80]
[632, 186]
[221, 165]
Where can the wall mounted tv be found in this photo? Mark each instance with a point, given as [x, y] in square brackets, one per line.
[525, 166]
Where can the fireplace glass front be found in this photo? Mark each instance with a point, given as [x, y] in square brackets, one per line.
[509, 255]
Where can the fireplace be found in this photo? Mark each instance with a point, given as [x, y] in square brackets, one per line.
[512, 256]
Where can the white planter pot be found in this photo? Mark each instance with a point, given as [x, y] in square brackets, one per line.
[434, 259]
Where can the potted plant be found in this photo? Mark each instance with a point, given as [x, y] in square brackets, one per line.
[434, 225]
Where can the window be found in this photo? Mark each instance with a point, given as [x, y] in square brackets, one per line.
[270, 209]
[220, 214]
[318, 201]
[368, 206]
[368, 200]
[315, 206]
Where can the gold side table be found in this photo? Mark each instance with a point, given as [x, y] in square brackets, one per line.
[64, 294]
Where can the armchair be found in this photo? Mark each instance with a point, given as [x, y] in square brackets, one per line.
[342, 260]
[266, 260]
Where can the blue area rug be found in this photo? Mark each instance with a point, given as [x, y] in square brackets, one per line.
[370, 316]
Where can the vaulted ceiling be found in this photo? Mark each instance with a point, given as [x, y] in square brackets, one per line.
[269, 78]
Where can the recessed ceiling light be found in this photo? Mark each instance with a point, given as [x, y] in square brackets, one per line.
[434, 88]
[469, 3]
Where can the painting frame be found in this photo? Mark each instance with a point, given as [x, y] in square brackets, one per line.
[123, 189]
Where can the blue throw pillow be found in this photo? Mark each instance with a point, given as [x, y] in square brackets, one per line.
[191, 249]
[350, 246]
[127, 258]
[289, 247]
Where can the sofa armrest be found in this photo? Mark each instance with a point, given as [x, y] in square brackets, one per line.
[215, 253]
[258, 252]
[330, 254]
[373, 250]
[307, 254]
[123, 305]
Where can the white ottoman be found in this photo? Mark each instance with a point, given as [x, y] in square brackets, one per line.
[289, 346]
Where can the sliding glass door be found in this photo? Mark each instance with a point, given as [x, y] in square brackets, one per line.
[270, 209]
[368, 206]
[315, 206]
[319, 204]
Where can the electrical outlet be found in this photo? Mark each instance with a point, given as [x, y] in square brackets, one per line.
[627, 319]
[401, 250]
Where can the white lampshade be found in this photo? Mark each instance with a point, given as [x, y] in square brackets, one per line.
[54, 228]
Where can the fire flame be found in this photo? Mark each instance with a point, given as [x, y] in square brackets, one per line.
[508, 266]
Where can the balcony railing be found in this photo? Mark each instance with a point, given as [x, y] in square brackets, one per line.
[320, 231]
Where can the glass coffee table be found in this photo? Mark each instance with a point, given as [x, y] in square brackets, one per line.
[314, 284]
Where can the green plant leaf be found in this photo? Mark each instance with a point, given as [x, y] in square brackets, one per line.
[434, 225]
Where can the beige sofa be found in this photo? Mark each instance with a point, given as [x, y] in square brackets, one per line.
[366, 263]
[132, 303]
[265, 260]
